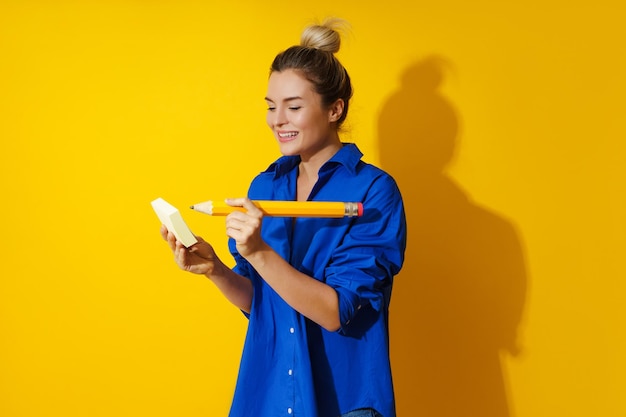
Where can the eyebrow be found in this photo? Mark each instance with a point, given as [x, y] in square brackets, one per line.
[286, 99]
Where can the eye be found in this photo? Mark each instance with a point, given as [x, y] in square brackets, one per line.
[271, 108]
[295, 108]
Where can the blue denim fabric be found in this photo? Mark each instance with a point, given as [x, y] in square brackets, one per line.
[365, 412]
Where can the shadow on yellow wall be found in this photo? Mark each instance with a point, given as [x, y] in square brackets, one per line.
[458, 302]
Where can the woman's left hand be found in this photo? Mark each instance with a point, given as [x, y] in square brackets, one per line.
[245, 227]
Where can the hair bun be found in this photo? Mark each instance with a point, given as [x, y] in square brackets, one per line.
[324, 36]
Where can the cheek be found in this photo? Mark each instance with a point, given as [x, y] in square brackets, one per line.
[300, 120]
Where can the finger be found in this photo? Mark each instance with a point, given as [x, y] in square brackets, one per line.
[196, 246]
[251, 209]
[233, 233]
[170, 238]
[237, 217]
[247, 204]
[180, 254]
[235, 202]
[237, 220]
[178, 247]
[202, 249]
[242, 231]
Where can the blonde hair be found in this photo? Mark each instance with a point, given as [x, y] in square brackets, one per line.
[325, 36]
[315, 59]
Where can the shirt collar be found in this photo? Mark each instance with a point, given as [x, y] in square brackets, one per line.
[349, 156]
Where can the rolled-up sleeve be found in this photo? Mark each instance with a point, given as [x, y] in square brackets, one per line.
[363, 265]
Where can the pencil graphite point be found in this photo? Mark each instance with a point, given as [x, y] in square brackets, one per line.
[205, 207]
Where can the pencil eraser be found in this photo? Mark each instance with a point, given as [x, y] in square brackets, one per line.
[359, 209]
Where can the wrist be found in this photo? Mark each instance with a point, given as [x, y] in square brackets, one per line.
[218, 270]
[259, 257]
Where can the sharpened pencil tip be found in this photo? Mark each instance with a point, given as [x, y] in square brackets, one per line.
[191, 207]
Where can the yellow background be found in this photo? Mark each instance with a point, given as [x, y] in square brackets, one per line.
[503, 123]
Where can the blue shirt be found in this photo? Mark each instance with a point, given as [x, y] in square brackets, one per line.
[290, 365]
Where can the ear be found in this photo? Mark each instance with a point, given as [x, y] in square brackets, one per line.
[335, 111]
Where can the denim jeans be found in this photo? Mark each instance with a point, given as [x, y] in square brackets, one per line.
[364, 412]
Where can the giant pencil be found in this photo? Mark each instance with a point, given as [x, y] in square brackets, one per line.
[286, 208]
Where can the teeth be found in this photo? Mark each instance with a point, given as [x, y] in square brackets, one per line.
[287, 135]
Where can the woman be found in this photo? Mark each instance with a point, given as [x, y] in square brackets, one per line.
[316, 290]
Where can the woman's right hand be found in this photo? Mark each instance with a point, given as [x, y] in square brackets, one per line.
[199, 258]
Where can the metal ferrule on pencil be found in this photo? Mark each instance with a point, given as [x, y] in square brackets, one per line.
[352, 210]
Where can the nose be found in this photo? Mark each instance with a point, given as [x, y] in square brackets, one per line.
[277, 117]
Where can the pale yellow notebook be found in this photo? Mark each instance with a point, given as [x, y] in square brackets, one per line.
[172, 219]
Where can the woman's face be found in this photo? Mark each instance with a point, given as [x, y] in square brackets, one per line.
[301, 125]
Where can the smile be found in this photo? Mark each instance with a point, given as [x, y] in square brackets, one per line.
[286, 136]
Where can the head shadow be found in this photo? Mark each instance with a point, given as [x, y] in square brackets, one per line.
[457, 304]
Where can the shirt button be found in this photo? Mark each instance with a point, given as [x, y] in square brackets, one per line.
[289, 410]
[290, 372]
[291, 330]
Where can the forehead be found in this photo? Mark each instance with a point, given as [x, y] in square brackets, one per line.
[289, 84]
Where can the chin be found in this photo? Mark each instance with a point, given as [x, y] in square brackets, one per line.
[288, 149]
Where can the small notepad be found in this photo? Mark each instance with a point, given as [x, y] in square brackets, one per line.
[172, 219]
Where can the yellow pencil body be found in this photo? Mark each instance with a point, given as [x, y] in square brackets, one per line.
[286, 208]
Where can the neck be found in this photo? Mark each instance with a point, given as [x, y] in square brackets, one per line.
[310, 164]
[309, 168]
